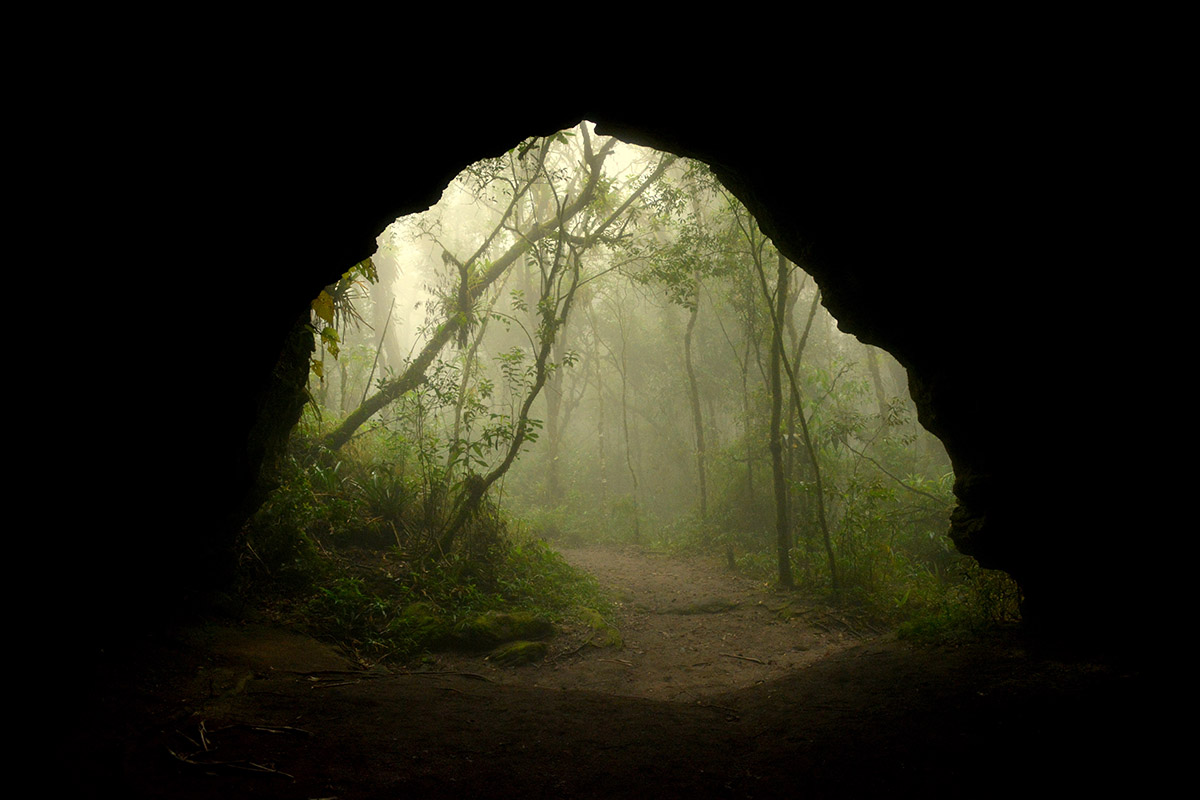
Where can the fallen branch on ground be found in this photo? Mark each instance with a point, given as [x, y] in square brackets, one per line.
[746, 658]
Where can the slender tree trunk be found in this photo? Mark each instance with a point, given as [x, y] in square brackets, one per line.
[382, 311]
[694, 394]
[747, 421]
[800, 510]
[637, 525]
[783, 542]
[620, 361]
[600, 434]
[554, 384]
[469, 360]
[777, 325]
[476, 485]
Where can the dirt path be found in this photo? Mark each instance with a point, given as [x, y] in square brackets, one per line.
[232, 709]
[691, 629]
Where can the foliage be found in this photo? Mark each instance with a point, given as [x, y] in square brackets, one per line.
[340, 547]
[655, 392]
[334, 310]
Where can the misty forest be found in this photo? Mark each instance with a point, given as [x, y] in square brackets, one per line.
[587, 495]
[591, 345]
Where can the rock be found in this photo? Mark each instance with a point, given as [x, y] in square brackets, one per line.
[486, 631]
[515, 653]
[425, 624]
[603, 634]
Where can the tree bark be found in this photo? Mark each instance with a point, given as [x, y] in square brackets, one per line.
[783, 543]
[694, 395]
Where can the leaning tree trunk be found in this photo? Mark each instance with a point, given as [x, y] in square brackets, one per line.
[477, 485]
[414, 375]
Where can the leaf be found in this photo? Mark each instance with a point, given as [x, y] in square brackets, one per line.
[322, 306]
[367, 269]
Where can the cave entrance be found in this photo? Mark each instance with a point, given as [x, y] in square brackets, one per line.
[575, 352]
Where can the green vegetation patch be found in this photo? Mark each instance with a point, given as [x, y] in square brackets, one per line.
[342, 551]
[516, 653]
[486, 631]
[603, 634]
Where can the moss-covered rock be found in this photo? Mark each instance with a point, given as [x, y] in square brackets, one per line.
[486, 631]
[426, 626]
[520, 652]
[423, 619]
[603, 634]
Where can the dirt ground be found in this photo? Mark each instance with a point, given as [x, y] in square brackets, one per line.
[713, 694]
[691, 630]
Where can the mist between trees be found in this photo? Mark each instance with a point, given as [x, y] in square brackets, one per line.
[586, 341]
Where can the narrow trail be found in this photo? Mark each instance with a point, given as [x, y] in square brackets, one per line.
[691, 629]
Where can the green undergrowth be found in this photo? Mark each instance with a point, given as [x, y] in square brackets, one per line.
[346, 550]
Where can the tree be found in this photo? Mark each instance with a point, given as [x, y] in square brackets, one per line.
[476, 276]
[561, 266]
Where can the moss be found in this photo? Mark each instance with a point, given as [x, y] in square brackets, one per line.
[603, 634]
[424, 623]
[520, 652]
[485, 631]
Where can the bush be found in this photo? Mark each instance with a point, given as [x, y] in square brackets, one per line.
[347, 544]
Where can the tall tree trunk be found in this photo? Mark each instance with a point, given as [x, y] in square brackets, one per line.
[694, 395]
[747, 422]
[800, 510]
[554, 385]
[601, 453]
[783, 542]
[777, 325]
[621, 362]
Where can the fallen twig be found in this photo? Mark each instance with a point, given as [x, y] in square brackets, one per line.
[617, 661]
[586, 642]
[435, 673]
[267, 728]
[746, 658]
[245, 766]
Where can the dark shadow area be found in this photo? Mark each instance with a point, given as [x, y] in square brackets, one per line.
[248, 711]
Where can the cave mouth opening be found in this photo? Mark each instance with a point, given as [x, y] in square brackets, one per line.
[586, 326]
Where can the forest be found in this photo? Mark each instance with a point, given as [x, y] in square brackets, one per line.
[591, 344]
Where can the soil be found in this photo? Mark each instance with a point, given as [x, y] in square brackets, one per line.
[722, 688]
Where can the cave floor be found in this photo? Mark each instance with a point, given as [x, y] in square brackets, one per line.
[692, 705]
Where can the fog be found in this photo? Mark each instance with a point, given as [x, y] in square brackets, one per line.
[626, 300]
